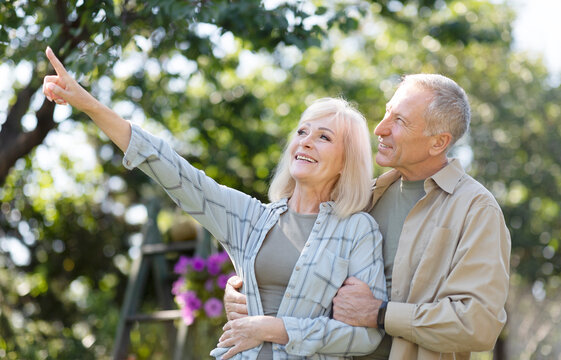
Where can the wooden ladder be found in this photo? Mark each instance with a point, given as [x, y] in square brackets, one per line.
[153, 257]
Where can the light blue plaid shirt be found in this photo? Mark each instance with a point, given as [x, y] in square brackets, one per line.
[336, 249]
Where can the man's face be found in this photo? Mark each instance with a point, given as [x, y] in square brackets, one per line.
[402, 142]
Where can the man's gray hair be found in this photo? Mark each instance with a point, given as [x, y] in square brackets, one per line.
[449, 109]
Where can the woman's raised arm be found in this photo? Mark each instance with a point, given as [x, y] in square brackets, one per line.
[64, 89]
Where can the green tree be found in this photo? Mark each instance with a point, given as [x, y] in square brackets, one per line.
[65, 242]
[228, 80]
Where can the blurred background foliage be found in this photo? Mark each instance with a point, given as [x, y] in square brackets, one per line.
[224, 81]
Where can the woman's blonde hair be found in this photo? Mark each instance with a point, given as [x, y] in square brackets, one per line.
[351, 192]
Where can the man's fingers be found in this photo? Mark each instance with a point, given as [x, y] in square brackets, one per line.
[55, 62]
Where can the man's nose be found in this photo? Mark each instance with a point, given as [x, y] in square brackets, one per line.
[383, 128]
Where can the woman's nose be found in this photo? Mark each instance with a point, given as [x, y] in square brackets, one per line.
[306, 141]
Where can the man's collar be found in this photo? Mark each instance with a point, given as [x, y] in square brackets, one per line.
[446, 178]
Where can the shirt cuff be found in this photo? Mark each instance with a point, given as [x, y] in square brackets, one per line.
[132, 156]
[295, 336]
[399, 319]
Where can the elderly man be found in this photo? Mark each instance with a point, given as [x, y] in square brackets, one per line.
[446, 245]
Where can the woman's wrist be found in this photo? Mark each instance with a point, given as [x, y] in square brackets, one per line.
[271, 329]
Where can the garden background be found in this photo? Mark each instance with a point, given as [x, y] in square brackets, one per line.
[224, 81]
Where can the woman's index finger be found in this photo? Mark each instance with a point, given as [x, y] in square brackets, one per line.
[55, 62]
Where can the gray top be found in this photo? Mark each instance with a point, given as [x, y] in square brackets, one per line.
[390, 213]
[336, 249]
[287, 238]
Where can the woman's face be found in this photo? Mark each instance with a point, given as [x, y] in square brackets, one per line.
[317, 154]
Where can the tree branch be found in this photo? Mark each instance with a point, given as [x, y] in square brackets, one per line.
[14, 143]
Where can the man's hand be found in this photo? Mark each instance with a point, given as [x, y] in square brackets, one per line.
[235, 302]
[355, 305]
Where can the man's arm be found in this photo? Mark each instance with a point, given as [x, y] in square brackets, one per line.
[468, 313]
[355, 304]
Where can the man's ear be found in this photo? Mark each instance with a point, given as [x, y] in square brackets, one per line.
[439, 143]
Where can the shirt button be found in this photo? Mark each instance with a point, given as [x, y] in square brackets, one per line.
[308, 245]
[297, 268]
[287, 295]
[128, 163]
[318, 222]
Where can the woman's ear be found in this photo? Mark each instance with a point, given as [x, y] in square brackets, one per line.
[440, 143]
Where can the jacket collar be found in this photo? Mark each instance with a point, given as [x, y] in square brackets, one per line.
[446, 178]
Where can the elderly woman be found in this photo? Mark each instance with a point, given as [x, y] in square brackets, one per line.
[293, 253]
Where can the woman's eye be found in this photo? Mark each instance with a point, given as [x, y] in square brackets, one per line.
[325, 137]
[301, 132]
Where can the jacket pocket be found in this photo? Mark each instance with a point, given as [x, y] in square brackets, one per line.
[434, 264]
[327, 277]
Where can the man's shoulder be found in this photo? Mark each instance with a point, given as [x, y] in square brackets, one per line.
[472, 191]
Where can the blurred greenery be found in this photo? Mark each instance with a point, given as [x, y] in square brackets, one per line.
[224, 81]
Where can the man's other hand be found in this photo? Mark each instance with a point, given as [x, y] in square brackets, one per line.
[355, 305]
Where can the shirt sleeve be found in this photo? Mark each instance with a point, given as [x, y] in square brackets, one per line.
[469, 312]
[323, 335]
[213, 205]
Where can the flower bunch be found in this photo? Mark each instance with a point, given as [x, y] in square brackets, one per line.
[200, 287]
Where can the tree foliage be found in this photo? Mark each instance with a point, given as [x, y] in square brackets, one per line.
[224, 81]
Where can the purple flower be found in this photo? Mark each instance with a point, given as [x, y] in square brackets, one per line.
[222, 280]
[224, 257]
[187, 315]
[181, 265]
[213, 267]
[209, 285]
[177, 285]
[189, 300]
[215, 258]
[193, 302]
[213, 307]
[198, 263]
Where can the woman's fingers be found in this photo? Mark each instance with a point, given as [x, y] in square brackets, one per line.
[56, 93]
[227, 326]
[55, 62]
[55, 79]
[231, 352]
[226, 343]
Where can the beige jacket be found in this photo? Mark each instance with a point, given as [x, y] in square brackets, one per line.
[451, 270]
